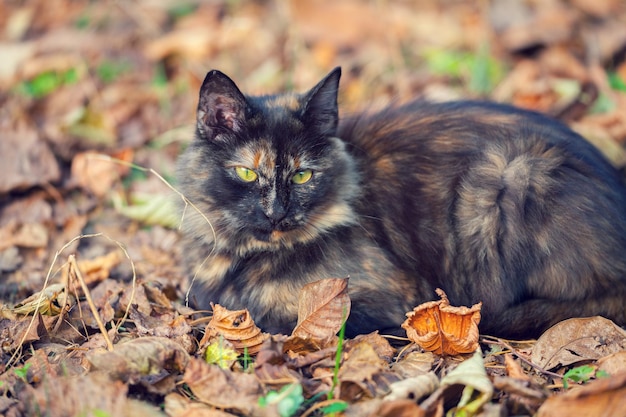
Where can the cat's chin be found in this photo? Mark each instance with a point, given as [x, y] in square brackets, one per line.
[273, 240]
[273, 237]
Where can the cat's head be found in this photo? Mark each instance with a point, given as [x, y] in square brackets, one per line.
[271, 172]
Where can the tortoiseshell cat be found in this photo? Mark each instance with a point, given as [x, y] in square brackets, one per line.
[488, 202]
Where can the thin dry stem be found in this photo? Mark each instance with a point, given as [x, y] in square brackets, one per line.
[94, 310]
[522, 357]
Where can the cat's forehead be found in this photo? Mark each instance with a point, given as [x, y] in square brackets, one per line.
[263, 157]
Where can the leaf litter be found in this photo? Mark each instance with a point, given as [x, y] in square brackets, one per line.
[91, 93]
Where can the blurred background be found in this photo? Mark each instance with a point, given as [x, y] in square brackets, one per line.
[79, 79]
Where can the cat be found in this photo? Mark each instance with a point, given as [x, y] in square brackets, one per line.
[488, 202]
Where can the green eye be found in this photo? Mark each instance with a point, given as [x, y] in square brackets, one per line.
[246, 174]
[302, 177]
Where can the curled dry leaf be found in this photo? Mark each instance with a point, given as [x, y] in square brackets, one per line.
[443, 329]
[323, 306]
[237, 327]
[49, 301]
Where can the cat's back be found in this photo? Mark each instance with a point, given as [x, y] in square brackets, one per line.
[473, 189]
[420, 144]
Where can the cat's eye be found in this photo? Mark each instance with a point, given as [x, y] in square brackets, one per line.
[246, 174]
[302, 177]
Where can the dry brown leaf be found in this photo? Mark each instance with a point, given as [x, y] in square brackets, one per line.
[514, 369]
[605, 397]
[177, 405]
[48, 301]
[364, 373]
[614, 363]
[237, 327]
[323, 306]
[413, 388]
[96, 173]
[399, 408]
[297, 345]
[26, 161]
[443, 329]
[140, 358]
[97, 269]
[13, 332]
[26, 235]
[80, 395]
[168, 324]
[271, 367]
[221, 388]
[414, 364]
[576, 340]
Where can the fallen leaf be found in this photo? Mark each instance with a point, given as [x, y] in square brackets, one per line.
[140, 358]
[271, 366]
[323, 307]
[413, 388]
[414, 364]
[399, 408]
[513, 368]
[28, 159]
[604, 397]
[576, 340]
[364, 373]
[221, 353]
[96, 269]
[443, 329]
[49, 301]
[177, 405]
[15, 332]
[472, 375]
[95, 172]
[81, 395]
[222, 388]
[381, 345]
[25, 235]
[614, 363]
[237, 327]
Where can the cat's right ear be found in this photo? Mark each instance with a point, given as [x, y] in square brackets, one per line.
[221, 108]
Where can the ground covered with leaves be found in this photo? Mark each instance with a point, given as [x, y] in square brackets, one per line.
[98, 98]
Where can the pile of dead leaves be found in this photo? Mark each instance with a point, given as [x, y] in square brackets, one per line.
[126, 351]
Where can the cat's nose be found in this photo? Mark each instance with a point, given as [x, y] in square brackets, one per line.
[276, 214]
[276, 217]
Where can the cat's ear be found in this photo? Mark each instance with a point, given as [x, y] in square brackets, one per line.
[221, 108]
[320, 104]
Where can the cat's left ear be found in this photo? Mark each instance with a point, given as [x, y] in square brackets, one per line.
[320, 104]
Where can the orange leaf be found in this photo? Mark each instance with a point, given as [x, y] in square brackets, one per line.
[322, 307]
[443, 329]
[237, 327]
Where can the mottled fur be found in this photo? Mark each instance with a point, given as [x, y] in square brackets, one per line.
[488, 202]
